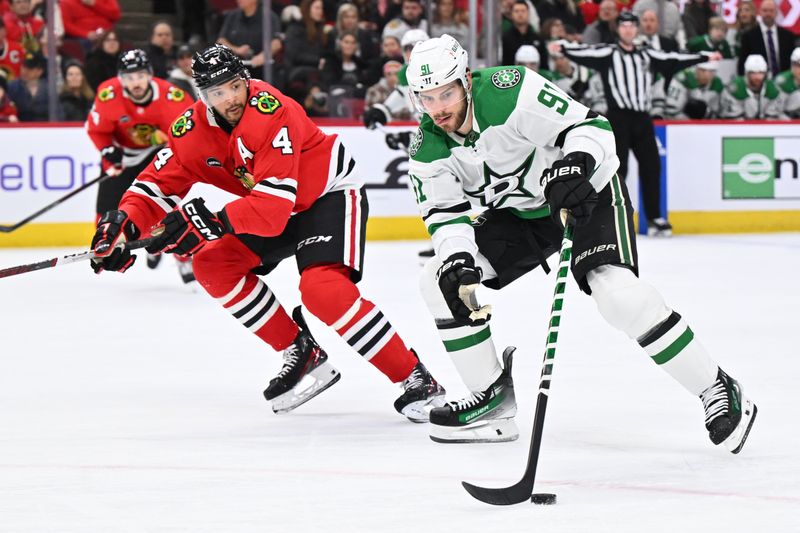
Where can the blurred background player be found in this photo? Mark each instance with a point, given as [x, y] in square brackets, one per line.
[506, 141]
[128, 123]
[752, 96]
[695, 93]
[789, 84]
[300, 196]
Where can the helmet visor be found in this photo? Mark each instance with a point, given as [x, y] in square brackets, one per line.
[216, 95]
[439, 99]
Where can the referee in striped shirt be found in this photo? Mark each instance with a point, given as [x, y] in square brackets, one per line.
[628, 72]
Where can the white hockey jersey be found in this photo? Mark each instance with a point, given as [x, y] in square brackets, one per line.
[522, 124]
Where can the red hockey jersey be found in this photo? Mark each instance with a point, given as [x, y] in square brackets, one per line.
[11, 57]
[116, 119]
[275, 158]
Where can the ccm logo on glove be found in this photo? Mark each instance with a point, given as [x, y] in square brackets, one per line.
[199, 223]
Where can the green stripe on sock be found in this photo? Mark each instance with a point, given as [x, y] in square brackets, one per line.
[468, 341]
[622, 221]
[675, 348]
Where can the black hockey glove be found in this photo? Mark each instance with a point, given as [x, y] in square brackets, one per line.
[566, 186]
[696, 109]
[114, 229]
[399, 141]
[113, 156]
[373, 116]
[187, 229]
[458, 278]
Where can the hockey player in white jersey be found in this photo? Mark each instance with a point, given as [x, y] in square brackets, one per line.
[506, 141]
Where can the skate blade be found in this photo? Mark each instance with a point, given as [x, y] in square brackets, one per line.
[497, 430]
[323, 377]
[736, 440]
[420, 412]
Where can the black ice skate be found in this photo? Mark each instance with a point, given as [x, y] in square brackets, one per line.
[486, 416]
[153, 260]
[303, 361]
[421, 393]
[659, 227]
[185, 270]
[729, 414]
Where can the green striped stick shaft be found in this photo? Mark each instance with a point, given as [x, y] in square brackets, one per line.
[555, 311]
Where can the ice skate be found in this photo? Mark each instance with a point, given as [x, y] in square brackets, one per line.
[659, 227]
[305, 372]
[729, 413]
[486, 416]
[153, 260]
[422, 393]
[185, 270]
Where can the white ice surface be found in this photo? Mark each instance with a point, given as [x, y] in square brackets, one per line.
[129, 403]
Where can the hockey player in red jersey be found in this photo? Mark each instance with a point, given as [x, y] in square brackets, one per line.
[300, 196]
[128, 123]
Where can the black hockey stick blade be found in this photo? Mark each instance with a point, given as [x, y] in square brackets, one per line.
[518, 493]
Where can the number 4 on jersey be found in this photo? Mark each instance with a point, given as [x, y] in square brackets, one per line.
[283, 142]
[162, 157]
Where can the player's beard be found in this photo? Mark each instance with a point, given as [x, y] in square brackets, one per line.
[139, 94]
[233, 113]
[455, 120]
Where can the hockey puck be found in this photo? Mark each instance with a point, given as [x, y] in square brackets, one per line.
[543, 498]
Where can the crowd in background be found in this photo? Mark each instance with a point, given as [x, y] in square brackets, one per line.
[332, 55]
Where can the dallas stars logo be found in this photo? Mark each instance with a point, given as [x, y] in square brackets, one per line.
[498, 188]
[506, 78]
[416, 142]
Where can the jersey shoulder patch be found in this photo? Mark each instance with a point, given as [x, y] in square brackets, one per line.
[106, 93]
[264, 103]
[495, 92]
[175, 94]
[183, 124]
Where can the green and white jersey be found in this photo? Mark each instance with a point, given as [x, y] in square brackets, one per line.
[739, 102]
[685, 87]
[521, 124]
[791, 94]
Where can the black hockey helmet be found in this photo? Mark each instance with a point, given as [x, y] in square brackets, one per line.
[134, 61]
[215, 65]
[627, 16]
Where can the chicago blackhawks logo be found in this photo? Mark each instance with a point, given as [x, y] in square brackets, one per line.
[144, 134]
[244, 177]
[183, 124]
[416, 142]
[265, 103]
[506, 78]
[106, 93]
[175, 95]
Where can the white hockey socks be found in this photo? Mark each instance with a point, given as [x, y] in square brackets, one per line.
[637, 309]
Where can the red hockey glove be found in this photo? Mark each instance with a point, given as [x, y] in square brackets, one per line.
[187, 229]
[114, 229]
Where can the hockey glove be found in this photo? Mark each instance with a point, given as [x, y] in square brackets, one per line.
[458, 278]
[187, 229]
[373, 116]
[566, 186]
[399, 141]
[114, 229]
[112, 155]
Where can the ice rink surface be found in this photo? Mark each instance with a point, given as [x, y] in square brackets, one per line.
[130, 403]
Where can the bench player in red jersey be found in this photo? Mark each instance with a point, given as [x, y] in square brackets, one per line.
[128, 123]
[301, 196]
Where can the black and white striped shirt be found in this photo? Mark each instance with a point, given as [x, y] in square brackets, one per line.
[628, 76]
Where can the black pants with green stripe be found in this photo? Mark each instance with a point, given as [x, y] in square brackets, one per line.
[515, 246]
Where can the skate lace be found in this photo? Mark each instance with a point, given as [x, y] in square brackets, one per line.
[290, 357]
[715, 400]
[414, 380]
[470, 401]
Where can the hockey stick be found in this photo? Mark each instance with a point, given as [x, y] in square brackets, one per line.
[523, 489]
[74, 258]
[45, 209]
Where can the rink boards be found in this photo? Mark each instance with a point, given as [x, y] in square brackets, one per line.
[718, 177]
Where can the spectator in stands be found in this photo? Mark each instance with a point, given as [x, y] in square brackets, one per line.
[21, 26]
[11, 55]
[648, 33]
[505, 16]
[789, 84]
[76, 97]
[564, 10]
[604, 29]
[307, 40]
[411, 17]
[181, 74]
[161, 49]
[101, 62]
[447, 19]
[521, 32]
[29, 91]
[242, 31]
[8, 111]
[391, 48]
[347, 22]
[669, 18]
[767, 39]
[89, 19]
[752, 96]
[378, 93]
[745, 20]
[713, 41]
[695, 93]
[369, 14]
[553, 29]
[192, 16]
[696, 15]
[345, 69]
